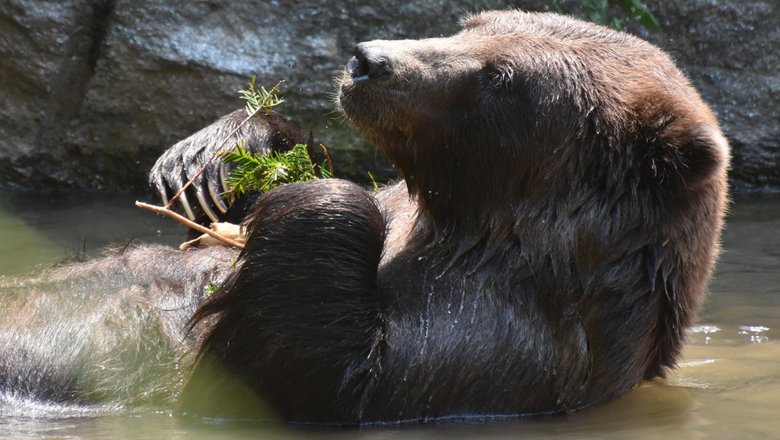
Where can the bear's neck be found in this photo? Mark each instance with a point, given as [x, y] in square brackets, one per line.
[455, 232]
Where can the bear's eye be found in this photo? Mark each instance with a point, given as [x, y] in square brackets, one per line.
[500, 77]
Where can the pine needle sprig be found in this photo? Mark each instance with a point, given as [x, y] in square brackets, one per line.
[261, 99]
[264, 173]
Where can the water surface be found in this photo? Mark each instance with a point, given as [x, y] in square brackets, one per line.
[727, 386]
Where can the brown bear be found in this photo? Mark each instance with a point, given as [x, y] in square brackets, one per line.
[562, 197]
[553, 235]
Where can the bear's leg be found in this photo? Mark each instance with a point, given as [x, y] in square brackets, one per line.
[298, 327]
[103, 334]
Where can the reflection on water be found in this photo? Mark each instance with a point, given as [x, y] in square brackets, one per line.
[727, 386]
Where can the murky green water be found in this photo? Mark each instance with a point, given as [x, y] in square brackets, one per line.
[37, 230]
[727, 387]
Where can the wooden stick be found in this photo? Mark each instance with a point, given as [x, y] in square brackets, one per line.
[189, 223]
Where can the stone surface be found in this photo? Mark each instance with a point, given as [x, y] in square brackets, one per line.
[94, 90]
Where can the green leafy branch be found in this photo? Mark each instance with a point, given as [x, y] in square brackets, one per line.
[263, 173]
[258, 100]
[253, 172]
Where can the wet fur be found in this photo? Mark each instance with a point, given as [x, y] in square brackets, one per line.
[104, 335]
[563, 195]
[557, 222]
[111, 334]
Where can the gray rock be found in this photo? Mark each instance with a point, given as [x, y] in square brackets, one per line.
[45, 52]
[95, 90]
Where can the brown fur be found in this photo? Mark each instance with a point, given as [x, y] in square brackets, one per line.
[105, 334]
[563, 195]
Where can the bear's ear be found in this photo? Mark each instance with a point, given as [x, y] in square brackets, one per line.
[475, 21]
[496, 22]
[706, 154]
[690, 155]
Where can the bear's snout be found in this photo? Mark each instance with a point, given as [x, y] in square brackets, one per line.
[367, 64]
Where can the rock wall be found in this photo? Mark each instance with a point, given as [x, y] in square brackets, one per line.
[94, 90]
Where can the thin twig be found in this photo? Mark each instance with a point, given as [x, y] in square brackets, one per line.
[189, 223]
[327, 157]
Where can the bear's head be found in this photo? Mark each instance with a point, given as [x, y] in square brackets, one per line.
[566, 157]
[522, 106]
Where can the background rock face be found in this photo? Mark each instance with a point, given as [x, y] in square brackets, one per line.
[93, 91]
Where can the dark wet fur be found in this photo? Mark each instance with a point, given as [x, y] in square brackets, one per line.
[303, 309]
[104, 335]
[565, 197]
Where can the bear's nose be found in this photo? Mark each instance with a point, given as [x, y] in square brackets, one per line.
[367, 64]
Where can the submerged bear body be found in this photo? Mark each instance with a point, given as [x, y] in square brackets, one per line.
[562, 194]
